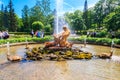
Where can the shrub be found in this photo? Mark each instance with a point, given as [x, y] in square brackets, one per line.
[101, 34]
[37, 25]
[19, 33]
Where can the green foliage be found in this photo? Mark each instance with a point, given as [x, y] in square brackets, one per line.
[99, 41]
[25, 18]
[102, 33]
[23, 39]
[85, 15]
[45, 7]
[75, 20]
[12, 18]
[37, 25]
[19, 33]
[48, 28]
[90, 40]
[105, 14]
[113, 20]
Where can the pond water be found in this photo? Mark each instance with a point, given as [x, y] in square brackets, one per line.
[94, 69]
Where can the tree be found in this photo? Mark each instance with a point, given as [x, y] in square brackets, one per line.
[25, 18]
[45, 7]
[37, 25]
[98, 16]
[36, 13]
[50, 20]
[19, 24]
[12, 17]
[112, 20]
[6, 18]
[85, 15]
[2, 16]
[48, 28]
[75, 20]
[102, 9]
[40, 12]
[91, 18]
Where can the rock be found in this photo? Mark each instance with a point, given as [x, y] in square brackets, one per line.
[57, 53]
[60, 58]
[68, 53]
[39, 57]
[53, 57]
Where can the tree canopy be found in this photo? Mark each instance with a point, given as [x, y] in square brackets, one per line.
[104, 15]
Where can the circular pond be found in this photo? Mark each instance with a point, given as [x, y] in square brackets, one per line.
[93, 69]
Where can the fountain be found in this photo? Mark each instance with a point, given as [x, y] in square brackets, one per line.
[8, 47]
[12, 57]
[55, 70]
[85, 42]
[61, 70]
[58, 13]
[112, 45]
[60, 48]
[59, 16]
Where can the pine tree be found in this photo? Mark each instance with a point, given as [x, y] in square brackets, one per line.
[1, 16]
[5, 18]
[85, 14]
[12, 17]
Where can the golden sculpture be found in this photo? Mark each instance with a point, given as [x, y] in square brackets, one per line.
[60, 40]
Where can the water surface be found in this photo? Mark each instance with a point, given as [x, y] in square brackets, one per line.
[94, 69]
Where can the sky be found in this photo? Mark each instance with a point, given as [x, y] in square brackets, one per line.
[68, 5]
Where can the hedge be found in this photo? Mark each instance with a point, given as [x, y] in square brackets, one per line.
[27, 33]
[99, 41]
[35, 39]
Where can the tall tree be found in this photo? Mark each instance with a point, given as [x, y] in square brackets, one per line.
[1, 16]
[102, 9]
[45, 7]
[12, 17]
[25, 18]
[6, 18]
[85, 14]
[98, 16]
[75, 20]
[36, 13]
[91, 18]
[40, 12]
[112, 20]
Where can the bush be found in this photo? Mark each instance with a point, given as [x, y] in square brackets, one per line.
[47, 28]
[19, 33]
[37, 25]
[100, 41]
[16, 40]
[101, 34]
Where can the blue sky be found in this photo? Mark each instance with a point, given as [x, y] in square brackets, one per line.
[68, 5]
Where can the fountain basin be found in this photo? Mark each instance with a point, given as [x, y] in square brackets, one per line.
[93, 69]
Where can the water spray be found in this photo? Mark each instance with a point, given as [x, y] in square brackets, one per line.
[8, 47]
[85, 42]
[26, 42]
[59, 16]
